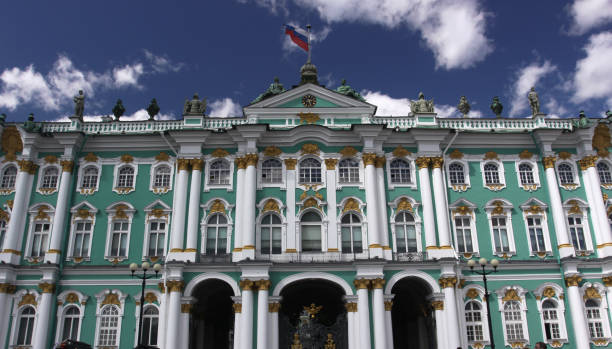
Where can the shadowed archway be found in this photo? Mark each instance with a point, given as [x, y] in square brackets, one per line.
[412, 318]
[212, 316]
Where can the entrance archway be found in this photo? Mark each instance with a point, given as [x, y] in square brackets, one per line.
[413, 321]
[212, 316]
[313, 309]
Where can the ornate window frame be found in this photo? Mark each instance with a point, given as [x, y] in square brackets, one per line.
[260, 182]
[212, 206]
[266, 206]
[408, 204]
[500, 172]
[508, 294]
[307, 186]
[159, 211]
[39, 213]
[497, 208]
[361, 169]
[65, 300]
[553, 292]
[153, 173]
[463, 208]
[324, 227]
[534, 170]
[41, 173]
[208, 161]
[579, 208]
[609, 163]
[596, 291]
[352, 204]
[152, 299]
[82, 211]
[118, 167]
[466, 175]
[84, 164]
[118, 211]
[21, 300]
[410, 159]
[3, 168]
[109, 298]
[475, 293]
[572, 164]
[536, 208]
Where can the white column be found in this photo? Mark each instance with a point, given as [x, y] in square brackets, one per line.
[43, 316]
[388, 319]
[178, 215]
[237, 320]
[450, 305]
[441, 335]
[163, 305]
[565, 248]
[371, 189]
[53, 255]
[12, 250]
[194, 208]
[363, 311]
[246, 327]
[250, 186]
[441, 205]
[173, 332]
[353, 328]
[291, 238]
[237, 252]
[607, 280]
[428, 216]
[184, 336]
[382, 206]
[262, 313]
[5, 290]
[598, 209]
[378, 312]
[331, 243]
[579, 321]
[273, 308]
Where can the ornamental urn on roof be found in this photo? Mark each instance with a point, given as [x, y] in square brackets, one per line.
[497, 107]
[153, 109]
[308, 74]
[118, 109]
[464, 106]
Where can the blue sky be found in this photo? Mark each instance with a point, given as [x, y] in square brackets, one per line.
[229, 51]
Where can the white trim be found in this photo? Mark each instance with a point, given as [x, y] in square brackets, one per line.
[312, 276]
[124, 190]
[82, 166]
[413, 172]
[152, 173]
[41, 173]
[306, 186]
[507, 214]
[543, 222]
[523, 304]
[110, 211]
[211, 275]
[33, 212]
[100, 297]
[483, 313]
[473, 233]
[500, 172]
[17, 312]
[276, 257]
[570, 186]
[609, 163]
[359, 184]
[560, 308]
[3, 166]
[204, 224]
[260, 183]
[585, 223]
[603, 308]
[412, 272]
[167, 211]
[208, 160]
[73, 221]
[364, 230]
[418, 222]
[298, 226]
[61, 312]
[466, 175]
[534, 170]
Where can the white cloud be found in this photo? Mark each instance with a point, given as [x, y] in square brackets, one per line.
[554, 109]
[589, 14]
[224, 108]
[387, 105]
[161, 63]
[139, 115]
[22, 86]
[593, 76]
[526, 78]
[128, 75]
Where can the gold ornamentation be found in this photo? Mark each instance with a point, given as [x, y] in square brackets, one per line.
[517, 344]
[361, 283]
[127, 158]
[219, 153]
[262, 285]
[120, 212]
[217, 206]
[549, 161]
[248, 247]
[84, 213]
[313, 310]
[237, 308]
[495, 187]
[291, 250]
[564, 155]
[447, 282]
[67, 165]
[91, 157]
[296, 342]
[422, 162]
[310, 148]
[351, 307]
[511, 295]
[196, 164]
[9, 203]
[272, 151]
[185, 308]
[400, 152]
[50, 159]
[572, 280]
[499, 208]
[175, 285]
[601, 139]
[491, 155]
[150, 297]
[380, 162]
[369, 159]
[330, 164]
[556, 344]
[7, 288]
[10, 250]
[404, 205]
[251, 159]
[525, 154]
[157, 213]
[587, 161]
[436, 162]
[182, 164]
[11, 143]
[47, 287]
[246, 285]
[378, 283]
[534, 209]
[271, 205]
[111, 298]
[162, 287]
[303, 195]
[162, 156]
[27, 166]
[462, 210]
[4, 215]
[607, 280]
[591, 293]
[42, 214]
[348, 151]
[600, 342]
[332, 249]
[477, 345]
[311, 202]
[549, 292]
[309, 118]
[72, 298]
[575, 208]
[329, 343]
[472, 293]
[468, 255]
[273, 307]
[240, 163]
[27, 298]
[456, 154]
[290, 164]
[437, 305]
[570, 186]
[351, 205]
[388, 305]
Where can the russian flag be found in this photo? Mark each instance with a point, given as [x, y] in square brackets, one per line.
[298, 36]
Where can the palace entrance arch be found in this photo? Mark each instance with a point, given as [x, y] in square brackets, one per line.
[412, 319]
[212, 315]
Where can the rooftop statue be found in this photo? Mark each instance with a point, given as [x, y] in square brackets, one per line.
[195, 106]
[534, 102]
[497, 107]
[30, 125]
[153, 109]
[608, 115]
[79, 104]
[118, 110]
[275, 88]
[464, 106]
[2, 118]
[582, 121]
[422, 105]
[349, 91]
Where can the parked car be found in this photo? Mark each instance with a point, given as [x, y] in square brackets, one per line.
[70, 344]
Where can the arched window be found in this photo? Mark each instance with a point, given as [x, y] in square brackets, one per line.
[90, 177]
[491, 173]
[576, 228]
[348, 169]
[157, 238]
[9, 176]
[26, 326]
[594, 319]
[272, 171]
[550, 316]
[150, 323]
[350, 227]
[162, 177]
[473, 321]
[119, 238]
[70, 329]
[49, 179]
[463, 229]
[405, 233]
[526, 174]
[456, 174]
[566, 174]
[108, 332]
[219, 172]
[82, 236]
[310, 229]
[126, 177]
[500, 233]
[216, 234]
[310, 171]
[271, 232]
[605, 177]
[514, 321]
[40, 238]
[400, 171]
[2, 233]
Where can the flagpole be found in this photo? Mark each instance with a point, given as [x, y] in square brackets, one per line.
[309, 46]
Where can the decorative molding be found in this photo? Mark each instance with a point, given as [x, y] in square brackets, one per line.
[491, 155]
[271, 205]
[91, 157]
[563, 155]
[378, 283]
[400, 152]
[351, 205]
[274, 307]
[162, 156]
[262, 285]
[525, 155]
[404, 205]
[42, 215]
[309, 118]
[7, 288]
[246, 285]
[549, 161]
[175, 285]
[290, 164]
[591, 293]
[67, 165]
[369, 159]
[575, 207]
[217, 206]
[437, 305]
[127, 158]
[361, 283]
[240, 163]
[50, 159]
[456, 154]
[219, 153]
[422, 162]
[472, 293]
[587, 161]
[251, 159]
[111, 298]
[446, 282]
[436, 162]
[27, 166]
[351, 307]
[237, 308]
[11, 143]
[511, 295]
[348, 151]
[380, 162]
[330, 164]
[572, 280]
[272, 151]
[28, 298]
[601, 139]
[185, 308]
[310, 148]
[182, 164]
[388, 305]
[196, 164]
[47, 287]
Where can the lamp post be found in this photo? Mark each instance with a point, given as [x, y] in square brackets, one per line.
[483, 263]
[144, 266]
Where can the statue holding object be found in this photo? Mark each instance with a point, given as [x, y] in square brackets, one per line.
[422, 105]
[195, 106]
[534, 101]
[79, 104]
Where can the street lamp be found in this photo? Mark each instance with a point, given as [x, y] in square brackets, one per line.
[483, 263]
[144, 266]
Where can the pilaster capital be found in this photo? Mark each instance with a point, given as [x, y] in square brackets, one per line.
[573, 280]
[182, 164]
[237, 308]
[47, 287]
[27, 166]
[7, 288]
[162, 287]
[361, 283]
[446, 282]
[388, 305]
[549, 161]
[274, 307]
[186, 308]
[240, 163]
[351, 307]
[175, 285]
[437, 305]
[246, 285]
[262, 285]
[331, 163]
[196, 164]
[380, 161]
[422, 162]
[67, 165]
[587, 161]
[251, 159]
[369, 159]
[607, 280]
[378, 283]
[437, 161]
[290, 164]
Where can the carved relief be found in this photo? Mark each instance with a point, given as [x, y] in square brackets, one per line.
[219, 153]
[272, 151]
[271, 205]
[310, 148]
[348, 151]
[400, 152]
[351, 205]
[217, 206]
[525, 154]
[11, 143]
[601, 139]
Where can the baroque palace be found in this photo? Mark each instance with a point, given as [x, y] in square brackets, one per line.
[307, 223]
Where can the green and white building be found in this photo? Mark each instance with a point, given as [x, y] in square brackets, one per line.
[307, 215]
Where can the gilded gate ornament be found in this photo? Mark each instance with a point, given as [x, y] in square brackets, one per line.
[601, 139]
[296, 342]
[313, 309]
[11, 143]
[329, 343]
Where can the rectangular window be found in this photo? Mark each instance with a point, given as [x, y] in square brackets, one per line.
[272, 174]
[595, 325]
[463, 231]
[536, 234]
[2, 234]
[577, 233]
[157, 237]
[500, 234]
[82, 236]
[119, 239]
[40, 239]
[349, 174]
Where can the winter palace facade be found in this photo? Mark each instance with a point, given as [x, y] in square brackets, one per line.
[306, 223]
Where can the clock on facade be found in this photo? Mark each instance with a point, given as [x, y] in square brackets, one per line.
[309, 101]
